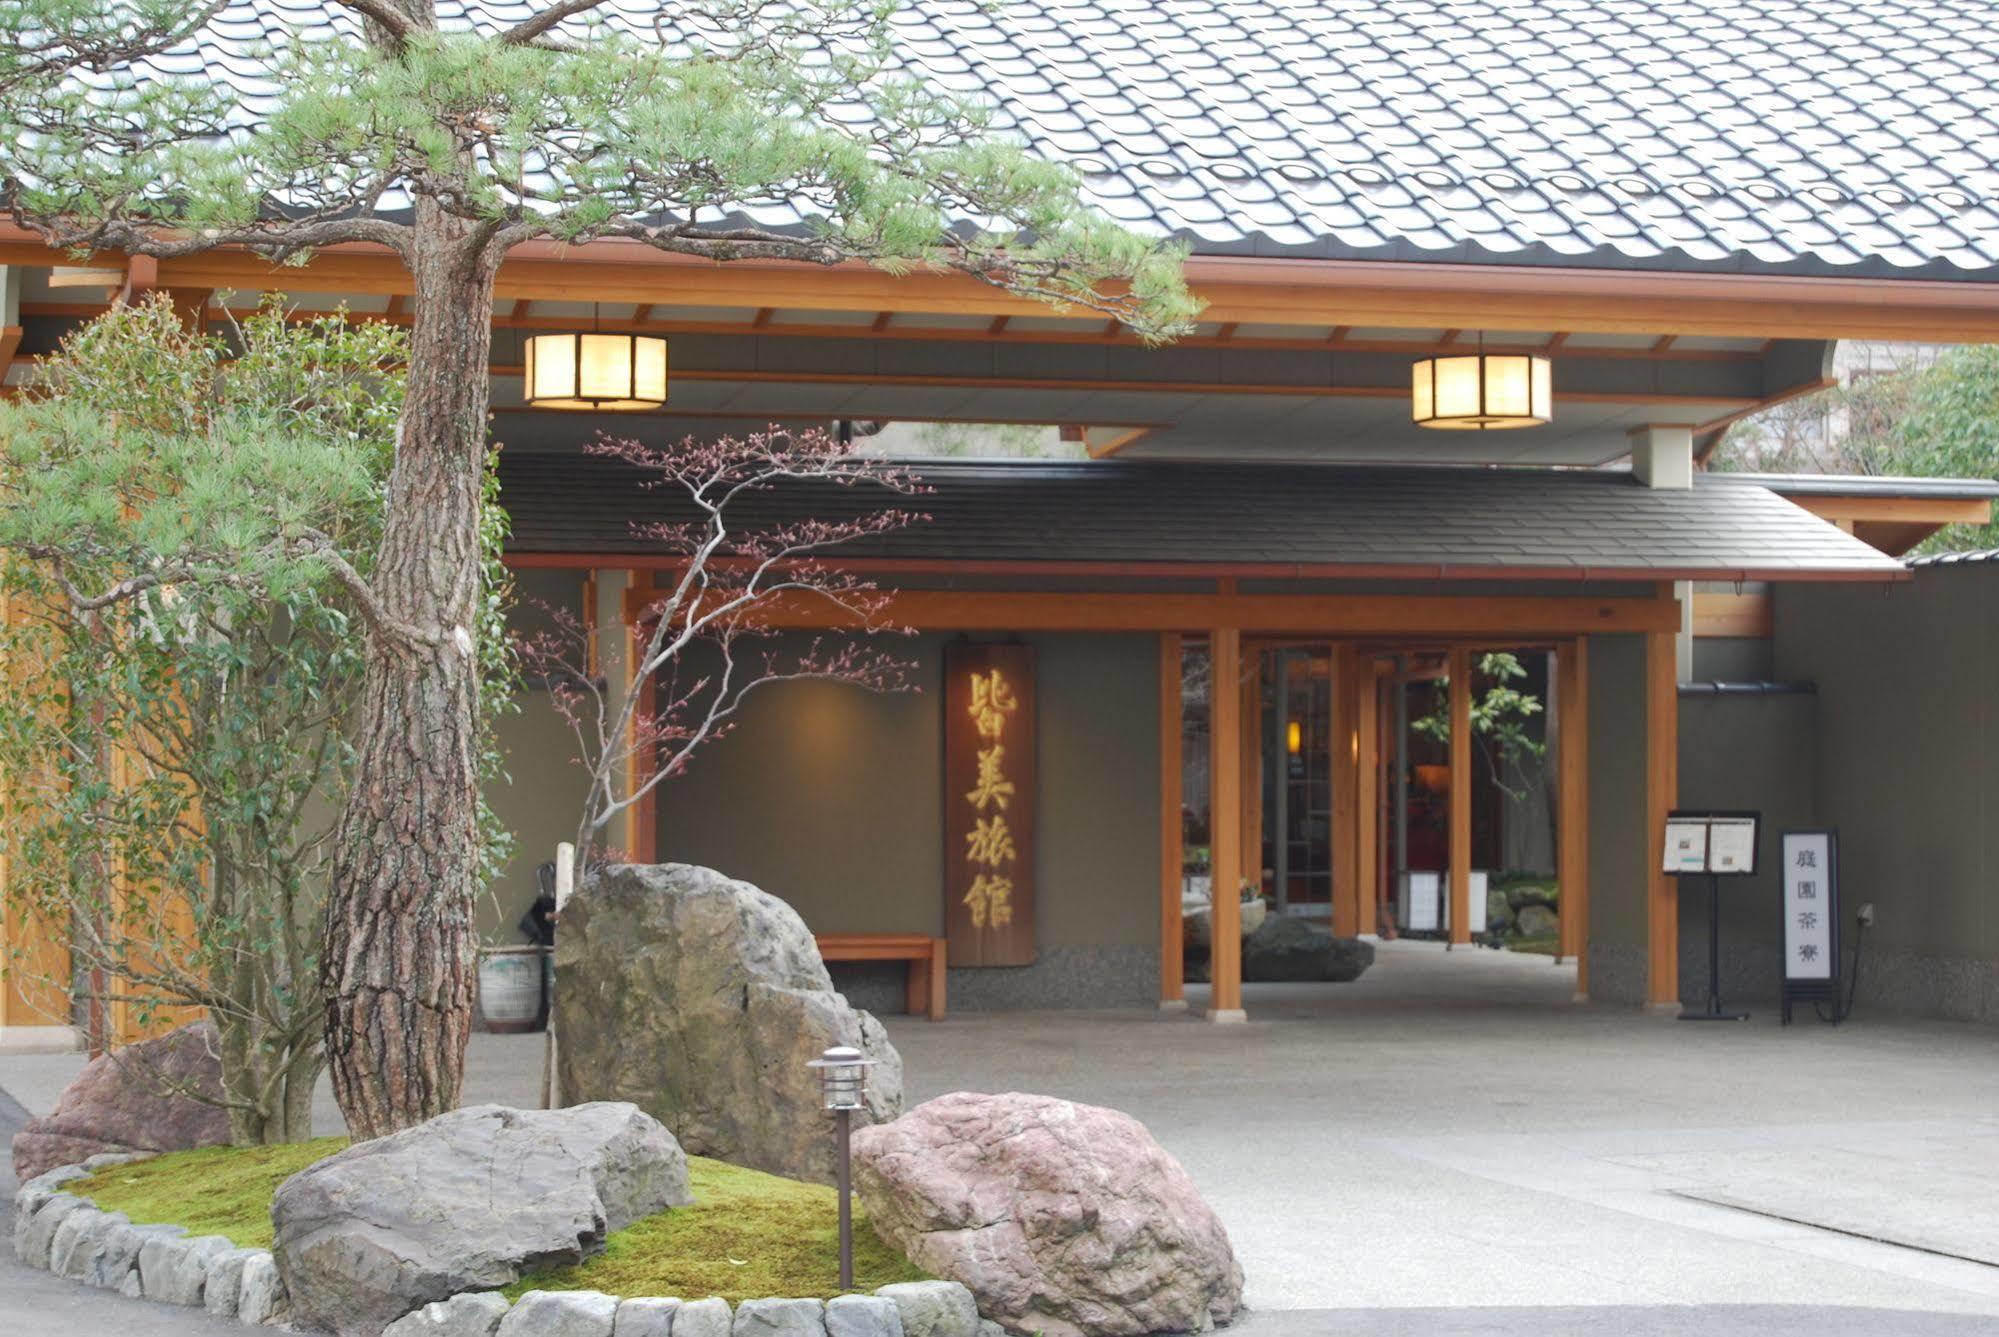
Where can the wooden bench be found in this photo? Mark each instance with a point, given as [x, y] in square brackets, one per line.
[925, 955]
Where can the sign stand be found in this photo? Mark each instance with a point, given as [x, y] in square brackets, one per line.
[1811, 921]
[1717, 845]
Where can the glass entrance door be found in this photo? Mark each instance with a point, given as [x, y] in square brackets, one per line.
[1298, 779]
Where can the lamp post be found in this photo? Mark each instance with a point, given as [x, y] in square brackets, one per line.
[842, 1073]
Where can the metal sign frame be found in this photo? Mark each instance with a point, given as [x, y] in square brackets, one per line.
[1706, 819]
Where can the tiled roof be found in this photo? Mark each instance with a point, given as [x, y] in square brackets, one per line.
[1802, 136]
[1331, 519]
[1988, 555]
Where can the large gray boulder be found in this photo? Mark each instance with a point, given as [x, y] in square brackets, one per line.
[1062, 1219]
[1288, 949]
[700, 999]
[468, 1201]
[163, 1094]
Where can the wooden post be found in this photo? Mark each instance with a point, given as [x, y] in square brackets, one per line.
[641, 820]
[1345, 829]
[1460, 674]
[1252, 770]
[1367, 770]
[1662, 790]
[1572, 802]
[1172, 969]
[1224, 828]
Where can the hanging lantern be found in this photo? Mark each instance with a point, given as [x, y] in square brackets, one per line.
[618, 372]
[1482, 391]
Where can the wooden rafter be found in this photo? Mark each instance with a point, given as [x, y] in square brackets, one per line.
[881, 321]
[762, 318]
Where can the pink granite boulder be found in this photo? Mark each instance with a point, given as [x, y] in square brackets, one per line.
[132, 1099]
[1062, 1219]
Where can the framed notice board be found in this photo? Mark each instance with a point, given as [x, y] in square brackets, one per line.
[1811, 918]
[989, 801]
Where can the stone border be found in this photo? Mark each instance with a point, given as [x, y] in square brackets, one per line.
[68, 1235]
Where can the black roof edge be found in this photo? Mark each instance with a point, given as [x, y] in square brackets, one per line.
[1870, 485]
[1806, 688]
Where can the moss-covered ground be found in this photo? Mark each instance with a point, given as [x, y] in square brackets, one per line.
[748, 1234]
[213, 1191]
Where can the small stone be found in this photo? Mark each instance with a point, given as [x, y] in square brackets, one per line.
[119, 1256]
[261, 1297]
[1538, 921]
[780, 1318]
[470, 1314]
[934, 1308]
[33, 1238]
[702, 1318]
[988, 1328]
[561, 1314]
[175, 1271]
[862, 1316]
[224, 1288]
[104, 1160]
[645, 1316]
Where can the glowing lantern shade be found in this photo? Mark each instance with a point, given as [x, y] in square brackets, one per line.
[618, 372]
[1482, 391]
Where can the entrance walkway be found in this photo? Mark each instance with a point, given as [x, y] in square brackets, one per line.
[1452, 1132]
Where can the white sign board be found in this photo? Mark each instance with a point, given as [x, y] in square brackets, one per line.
[1808, 905]
[1686, 844]
[1731, 845]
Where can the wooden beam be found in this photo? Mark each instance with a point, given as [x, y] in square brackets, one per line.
[398, 304]
[1320, 614]
[1572, 803]
[191, 305]
[1556, 342]
[762, 317]
[1172, 855]
[1747, 616]
[1412, 294]
[882, 321]
[1224, 831]
[998, 325]
[1663, 342]
[519, 311]
[1227, 331]
[1110, 446]
[10, 344]
[1460, 799]
[1662, 789]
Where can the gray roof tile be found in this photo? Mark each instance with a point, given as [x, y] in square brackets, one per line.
[1812, 136]
[1591, 523]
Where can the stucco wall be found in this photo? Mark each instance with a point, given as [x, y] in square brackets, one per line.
[1619, 844]
[1908, 684]
[830, 798]
[1757, 753]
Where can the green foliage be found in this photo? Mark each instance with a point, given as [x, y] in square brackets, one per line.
[1932, 417]
[1498, 721]
[599, 134]
[176, 748]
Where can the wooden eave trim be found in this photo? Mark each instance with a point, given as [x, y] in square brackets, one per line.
[1748, 616]
[1241, 291]
[1899, 510]
[886, 566]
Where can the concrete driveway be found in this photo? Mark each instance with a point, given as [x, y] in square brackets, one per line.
[1452, 1146]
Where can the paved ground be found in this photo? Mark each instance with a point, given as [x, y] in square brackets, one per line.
[1452, 1146]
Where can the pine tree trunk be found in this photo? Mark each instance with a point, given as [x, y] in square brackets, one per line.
[399, 947]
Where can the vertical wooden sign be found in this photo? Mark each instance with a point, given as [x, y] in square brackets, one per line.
[989, 797]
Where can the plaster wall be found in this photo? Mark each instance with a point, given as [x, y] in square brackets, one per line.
[1908, 689]
[1619, 843]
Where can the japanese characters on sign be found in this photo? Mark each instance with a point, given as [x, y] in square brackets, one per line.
[989, 804]
[1810, 906]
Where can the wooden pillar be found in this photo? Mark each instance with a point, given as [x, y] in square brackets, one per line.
[1367, 770]
[1344, 756]
[1225, 831]
[1460, 857]
[1572, 802]
[1662, 790]
[1252, 770]
[1172, 969]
